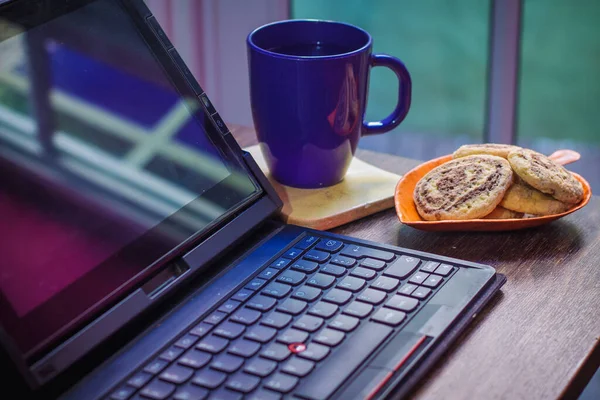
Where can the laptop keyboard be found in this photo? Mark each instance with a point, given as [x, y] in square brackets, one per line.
[324, 305]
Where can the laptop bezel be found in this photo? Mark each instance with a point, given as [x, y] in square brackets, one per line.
[226, 233]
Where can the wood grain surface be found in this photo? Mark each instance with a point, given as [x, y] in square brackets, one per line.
[539, 338]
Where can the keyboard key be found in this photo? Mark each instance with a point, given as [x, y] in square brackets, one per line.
[293, 253]
[418, 278]
[363, 273]
[227, 363]
[276, 352]
[407, 289]
[308, 323]
[242, 295]
[139, 379]
[276, 320]
[329, 245]
[329, 337]
[317, 256]
[338, 367]
[255, 284]
[421, 292]
[292, 336]
[225, 394]
[260, 367]
[307, 242]
[171, 353]
[229, 306]
[388, 316]
[372, 296]
[433, 281]
[280, 263]
[277, 290]
[281, 383]
[186, 342]
[261, 334]
[176, 374]
[190, 392]
[429, 266]
[298, 367]
[443, 270]
[402, 267]
[292, 306]
[321, 281]
[315, 352]
[212, 344]
[215, 318]
[195, 359]
[358, 309]
[291, 278]
[156, 366]
[123, 393]
[268, 273]
[377, 265]
[352, 250]
[242, 382]
[201, 329]
[264, 395]
[244, 348]
[158, 390]
[351, 283]
[307, 293]
[385, 283]
[246, 316]
[261, 303]
[209, 378]
[334, 270]
[305, 266]
[344, 323]
[229, 330]
[323, 310]
[337, 296]
[402, 303]
[343, 261]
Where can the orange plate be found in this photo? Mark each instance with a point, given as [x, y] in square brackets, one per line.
[408, 215]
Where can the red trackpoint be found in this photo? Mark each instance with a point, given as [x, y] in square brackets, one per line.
[297, 347]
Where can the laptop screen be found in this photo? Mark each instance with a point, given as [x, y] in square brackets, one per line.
[108, 166]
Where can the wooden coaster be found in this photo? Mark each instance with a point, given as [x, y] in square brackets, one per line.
[365, 190]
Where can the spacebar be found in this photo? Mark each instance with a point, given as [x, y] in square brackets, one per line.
[323, 381]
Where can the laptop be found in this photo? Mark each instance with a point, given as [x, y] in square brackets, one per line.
[143, 256]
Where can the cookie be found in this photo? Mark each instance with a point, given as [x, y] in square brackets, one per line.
[503, 213]
[493, 149]
[523, 198]
[465, 188]
[545, 175]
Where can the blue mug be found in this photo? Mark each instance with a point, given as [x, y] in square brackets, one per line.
[308, 90]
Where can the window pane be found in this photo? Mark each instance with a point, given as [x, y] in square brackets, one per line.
[13, 95]
[559, 86]
[445, 47]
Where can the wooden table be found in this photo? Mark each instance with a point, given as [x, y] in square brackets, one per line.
[539, 338]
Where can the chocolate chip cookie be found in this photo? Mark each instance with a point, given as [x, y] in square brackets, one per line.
[545, 175]
[523, 198]
[493, 149]
[465, 188]
[504, 213]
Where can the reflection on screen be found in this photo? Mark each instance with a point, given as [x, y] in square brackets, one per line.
[96, 148]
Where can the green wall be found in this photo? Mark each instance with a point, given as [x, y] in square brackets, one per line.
[444, 43]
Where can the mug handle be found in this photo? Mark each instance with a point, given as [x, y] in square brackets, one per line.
[404, 95]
